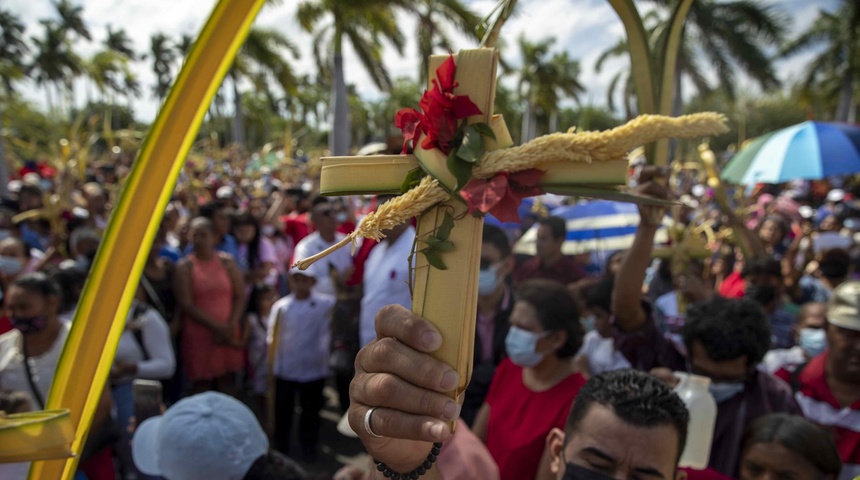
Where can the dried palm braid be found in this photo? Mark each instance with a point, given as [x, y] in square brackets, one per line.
[572, 146]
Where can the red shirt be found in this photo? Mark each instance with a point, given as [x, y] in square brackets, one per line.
[564, 271]
[732, 286]
[520, 419]
[820, 406]
[297, 226]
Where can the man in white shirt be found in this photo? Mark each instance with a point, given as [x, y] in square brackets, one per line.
[338, 263]
[386, 278]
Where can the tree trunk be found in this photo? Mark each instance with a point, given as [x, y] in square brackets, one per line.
[238, 120]
[553, 121]
[4, 164]
[524, 129]
[677, 107]
[340, 131]
[846, 97]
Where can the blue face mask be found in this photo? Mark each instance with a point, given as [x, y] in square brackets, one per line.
[812, 340]
[488, 280]
[588, 322]
[521, 344]
[723, 391]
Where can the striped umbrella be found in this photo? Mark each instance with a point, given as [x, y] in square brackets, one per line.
[808, 150]
[594, 226]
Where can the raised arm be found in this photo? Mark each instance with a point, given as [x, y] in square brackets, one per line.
[627, 295]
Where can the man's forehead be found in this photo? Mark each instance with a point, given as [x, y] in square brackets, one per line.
[632, 447]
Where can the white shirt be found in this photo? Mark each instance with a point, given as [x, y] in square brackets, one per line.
[386, 281]
[156, 338]
[778, 358]
[13, 375]
[601, 354]
[304, 337]
[341, 260]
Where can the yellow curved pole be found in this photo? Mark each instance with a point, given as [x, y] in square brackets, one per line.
[101, 313]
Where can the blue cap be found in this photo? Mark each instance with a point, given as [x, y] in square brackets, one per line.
[210, 436]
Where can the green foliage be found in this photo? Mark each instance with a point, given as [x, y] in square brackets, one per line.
[438, 243]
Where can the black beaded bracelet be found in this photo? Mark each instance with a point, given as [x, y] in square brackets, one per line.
[417, 472]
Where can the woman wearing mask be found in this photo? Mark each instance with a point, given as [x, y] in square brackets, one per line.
[790, 447]
[211, 296]
[257, 255]
[533, 389]
[810, 340]
[29, 355]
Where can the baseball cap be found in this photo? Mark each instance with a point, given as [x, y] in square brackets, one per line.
[210, 436]
[843, 310]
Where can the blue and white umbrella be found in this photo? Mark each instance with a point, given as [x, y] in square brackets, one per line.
[594, 226]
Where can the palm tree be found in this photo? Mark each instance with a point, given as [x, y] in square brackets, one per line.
[543, 82]
[432, 36]
[55, 63]
[163, 55]
[261, 61]
[72, 19]
[13, 48]
[364, 23]
[730, 36]
[118, 41]
[622, 83]
[839, 61]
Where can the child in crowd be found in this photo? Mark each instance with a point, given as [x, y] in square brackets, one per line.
[299, 326]
[255, 332]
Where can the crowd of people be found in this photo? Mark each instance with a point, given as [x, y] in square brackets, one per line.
[574, 361]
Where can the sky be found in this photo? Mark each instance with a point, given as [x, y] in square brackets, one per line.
[583, 28]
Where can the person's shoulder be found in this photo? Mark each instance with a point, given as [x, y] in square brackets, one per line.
[323, 300]
[9, 340]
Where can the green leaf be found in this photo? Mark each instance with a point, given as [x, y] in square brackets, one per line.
[444, 230]
[445, 246]
[484, 130]
[461, 170]
[434, 259]
[412, 180]
[472, 148]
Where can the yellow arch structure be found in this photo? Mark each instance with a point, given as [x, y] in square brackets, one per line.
[100, 318]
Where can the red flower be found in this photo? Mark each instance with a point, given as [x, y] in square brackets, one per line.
[501, 195]
[442, 111]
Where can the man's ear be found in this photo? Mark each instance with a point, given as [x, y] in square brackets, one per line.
[508, 265]
[555, 445]
[680, 474]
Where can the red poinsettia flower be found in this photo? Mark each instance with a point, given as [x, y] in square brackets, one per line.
[441, 111]
[502, 194]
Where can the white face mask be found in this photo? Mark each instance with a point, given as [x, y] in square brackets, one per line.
[268, 230]
[11, 265]
[521, 346]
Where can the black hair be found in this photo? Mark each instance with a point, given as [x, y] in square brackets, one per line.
[210, 208]
[245, 218]
[601, 294]
[557, 226]
[637, 398]
[798, 435]
[38, 283]
[556, 310]
[835, 263]
[29, 189]
[318, 200]
[779, 221]
[70, 281]
[496, 237]
[764, 265]
[610, 259]
[728, 329]
[275, 466]
[256, 293]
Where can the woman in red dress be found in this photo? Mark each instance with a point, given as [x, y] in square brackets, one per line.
[210, 293]
[533, 389]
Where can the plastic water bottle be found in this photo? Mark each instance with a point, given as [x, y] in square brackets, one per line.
[693, 390]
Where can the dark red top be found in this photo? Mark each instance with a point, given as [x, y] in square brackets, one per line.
[820, 406]
[565, 271]
[520, 419]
